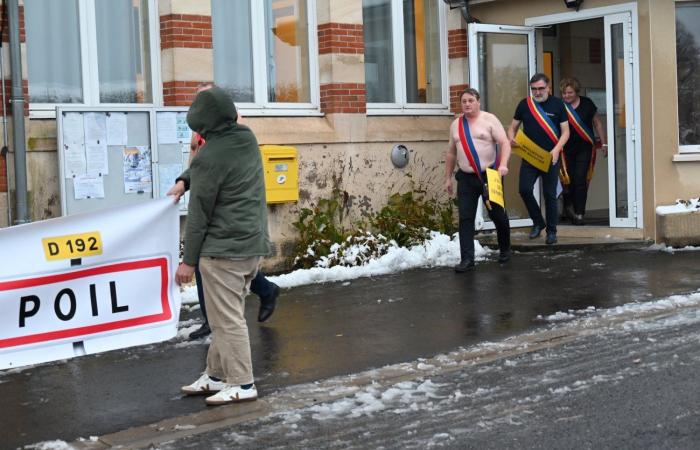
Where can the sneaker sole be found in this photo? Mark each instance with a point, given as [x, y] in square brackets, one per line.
[226, 402]
[195, 393]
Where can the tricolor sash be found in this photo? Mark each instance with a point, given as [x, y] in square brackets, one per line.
[586, 134]
[465, 138]
[578, 125]
[543, 120]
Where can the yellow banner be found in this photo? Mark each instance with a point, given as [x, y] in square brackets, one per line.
[495, 187]
[531, 152]
[72, 246]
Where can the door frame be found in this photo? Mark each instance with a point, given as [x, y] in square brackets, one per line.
[473, 29]
[636, 208]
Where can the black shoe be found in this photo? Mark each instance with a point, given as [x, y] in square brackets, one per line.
[551, 238]
[535, 232]
[504, 257]
[578, 219]
[464, 266]
[203, 331]
[267, 304]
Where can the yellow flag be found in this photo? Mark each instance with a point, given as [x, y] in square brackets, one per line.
[531, 152]
[495, 187]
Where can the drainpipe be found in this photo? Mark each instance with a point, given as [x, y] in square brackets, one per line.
[17, 99]
[5, 150]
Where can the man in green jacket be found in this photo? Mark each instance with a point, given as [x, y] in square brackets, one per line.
[226, 233]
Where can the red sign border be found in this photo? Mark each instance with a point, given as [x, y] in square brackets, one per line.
[166, 313]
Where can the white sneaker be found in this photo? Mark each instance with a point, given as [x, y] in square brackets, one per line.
[233, 394]
[203, 385]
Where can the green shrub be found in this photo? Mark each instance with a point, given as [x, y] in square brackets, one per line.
[406, 220]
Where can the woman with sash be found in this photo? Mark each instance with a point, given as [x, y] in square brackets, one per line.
[580, 149]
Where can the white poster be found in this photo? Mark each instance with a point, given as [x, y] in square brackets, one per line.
[74, 162]
[137, 170]
[89, 283]
[184, 134]
[73, 130]
[95, 128]
[166, 123]
[116, 128]
[96, 159]
[166, 177]
[88, 186]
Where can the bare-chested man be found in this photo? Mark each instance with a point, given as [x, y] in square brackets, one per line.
[484, 131]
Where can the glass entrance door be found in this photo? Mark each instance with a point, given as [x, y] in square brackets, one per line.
[620, 121]
[500, 67]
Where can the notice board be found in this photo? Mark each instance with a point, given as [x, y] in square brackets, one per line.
[118, 156]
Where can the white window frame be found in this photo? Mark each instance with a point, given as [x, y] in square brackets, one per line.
[398, 50]
[692, 149]
[89, 61]
[261, 106]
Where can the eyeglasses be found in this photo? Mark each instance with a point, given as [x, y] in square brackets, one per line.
[539, 88]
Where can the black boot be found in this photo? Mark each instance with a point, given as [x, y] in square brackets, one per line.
[464, 265]
[267, 304]
[203, 331]
[504, 256]
[535, 232]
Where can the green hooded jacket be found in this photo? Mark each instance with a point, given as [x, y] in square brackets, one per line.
[227, 212]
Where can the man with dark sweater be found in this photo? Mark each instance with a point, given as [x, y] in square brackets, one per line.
[226, 234]
[545, 122]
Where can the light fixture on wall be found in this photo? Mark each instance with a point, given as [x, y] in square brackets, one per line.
[463, 6]
[573, 3]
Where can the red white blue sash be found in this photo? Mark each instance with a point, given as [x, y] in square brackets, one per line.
[469, 148]
[543, 120]
[578, 125]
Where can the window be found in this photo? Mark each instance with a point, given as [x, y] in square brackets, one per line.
[405, 56]
[262, 53]
[688, 74]
[74, 55]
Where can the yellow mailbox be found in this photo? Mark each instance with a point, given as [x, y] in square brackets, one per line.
[281, 173]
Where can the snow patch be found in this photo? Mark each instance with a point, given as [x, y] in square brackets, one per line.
[51, 445]
[681, 206]
[438, 251]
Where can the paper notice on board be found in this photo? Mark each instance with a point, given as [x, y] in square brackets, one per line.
[184, 134]
[96, 159]
[73, 131]
[74, 160]
[137, 170]
[166, 178]
[116, 129]
[88, 186]
[166, 122]
[95, 128]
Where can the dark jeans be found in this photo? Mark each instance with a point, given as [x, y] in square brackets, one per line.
[469, 189]
[577, 162]
[260, 286]
[528, 177]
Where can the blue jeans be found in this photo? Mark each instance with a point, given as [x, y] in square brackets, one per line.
[528, 177]
[260, 286]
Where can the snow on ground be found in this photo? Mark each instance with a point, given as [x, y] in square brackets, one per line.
[438, 251]
[664, 248]
[681, 206]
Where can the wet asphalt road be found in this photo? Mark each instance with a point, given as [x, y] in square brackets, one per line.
[337, 328]
[633, 386]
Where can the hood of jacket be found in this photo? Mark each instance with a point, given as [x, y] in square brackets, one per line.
[212, 111]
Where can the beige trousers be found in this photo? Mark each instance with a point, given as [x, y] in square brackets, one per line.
[226, 283]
